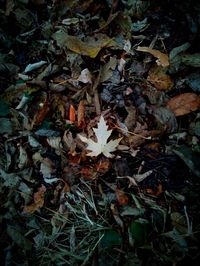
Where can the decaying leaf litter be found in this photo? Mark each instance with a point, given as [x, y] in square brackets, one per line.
[100, 127]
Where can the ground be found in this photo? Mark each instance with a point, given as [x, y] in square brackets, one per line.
[100, 132]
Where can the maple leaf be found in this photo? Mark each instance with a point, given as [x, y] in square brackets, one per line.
[101, 146]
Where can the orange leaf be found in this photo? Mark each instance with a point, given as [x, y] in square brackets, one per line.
[38, 200]
[162, 59]
[121, 197]
[72, 113]
[81, 115]
[184, 103]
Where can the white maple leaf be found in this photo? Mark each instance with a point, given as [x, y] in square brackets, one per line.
[101, 146]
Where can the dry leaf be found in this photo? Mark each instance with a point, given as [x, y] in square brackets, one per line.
[81, 115]
[116, 215]
[55, 143]
[158, 77]
[121, 197]
[69, 142]
[85, 76]
[47, 169]
[23, 157]
[101, 146]
[103, 166]
[38, 200]
[90, 47]
[131, 117]
[41, 114]
[72, 113]
[162, 59]
[184, 103]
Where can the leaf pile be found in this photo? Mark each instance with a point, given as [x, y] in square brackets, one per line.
[100, 132]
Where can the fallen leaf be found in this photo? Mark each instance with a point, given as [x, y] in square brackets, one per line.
[38, 200]
[141, 177]
[184, 103]
[166, 118]
[41, 114]
[122, 198]
[47, 168]
[158, 77]
[107, 69]
[85, 76]
[69, 143]
[116, 215]
[9, 7]
[34, 66]
[81, 114]
[72, 113]
[101, 146]
[90, 47]
[23, 157]
[103, 166]
[162, 59]
[55, 143]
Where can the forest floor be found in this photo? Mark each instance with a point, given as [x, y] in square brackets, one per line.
[99, 132]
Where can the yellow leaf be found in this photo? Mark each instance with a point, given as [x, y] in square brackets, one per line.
[162, 59]
[91, 47]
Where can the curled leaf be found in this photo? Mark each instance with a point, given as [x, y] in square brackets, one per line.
[162, 59]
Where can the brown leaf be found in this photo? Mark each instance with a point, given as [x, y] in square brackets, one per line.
[116, 216]
[103, 165]
[121, 197]
[38, 200]
[131, 117]
[41, 114]
[88, 173]
[162, 59]
[9, 7]
[158, 77]
[81, 115]
[90, 47]
[184, 103]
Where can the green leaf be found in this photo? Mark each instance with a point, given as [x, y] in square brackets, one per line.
[178, 238]
[18, 237]
[195, 128]
[10, 180]
[4, 108]
[6, 126]
[138, 231]
[193, 81]
[190, 158]
[111, 238]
